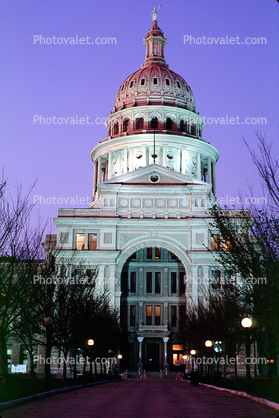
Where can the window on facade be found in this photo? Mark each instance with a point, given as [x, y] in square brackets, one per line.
[182, 313]
[125, 125]
[116, 129]
[157, 282]
[169, 124]
[92, 241]
[157, 315]
[167, 82]
[139, 123]
[123, 86]
[227, 246]
[157, 253]
[215, 242]
[132, 315]
[142, 82]
[155, 80]
[123, 315]
[173, 256]
[178, 84]
[173, 316]
[133, 282]
[149, 282]
[149, 253]
[215, 278]
[124, 282]
[181, 126]
[80, 241]
[173, 282]
[131, 84]
[154, 123]
[149, 315]
[134, 256]
[181, 283]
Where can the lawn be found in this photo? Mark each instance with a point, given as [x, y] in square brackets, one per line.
[20, 386]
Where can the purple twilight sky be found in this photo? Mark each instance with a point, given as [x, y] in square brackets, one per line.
[40, 80]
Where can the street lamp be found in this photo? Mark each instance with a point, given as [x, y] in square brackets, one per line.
[208, 343]
[246, 324]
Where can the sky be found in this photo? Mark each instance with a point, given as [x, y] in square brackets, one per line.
[226, 51]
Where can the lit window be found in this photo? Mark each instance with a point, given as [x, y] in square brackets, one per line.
[92, 242]
[149, 315]
[80, 241]
[157, 253]
[215, 242]
[227, 246]
[157, 315]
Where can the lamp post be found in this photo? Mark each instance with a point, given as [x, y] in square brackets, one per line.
[119, 358]
[90, 344]
[48, 322]
[193, 353]
[246, 324]
[208, 345]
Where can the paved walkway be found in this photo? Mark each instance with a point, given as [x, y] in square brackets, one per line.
[141, 399]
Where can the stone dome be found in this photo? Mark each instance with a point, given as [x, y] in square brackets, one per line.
[154, 83]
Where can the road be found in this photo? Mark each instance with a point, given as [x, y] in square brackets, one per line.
[141, 399]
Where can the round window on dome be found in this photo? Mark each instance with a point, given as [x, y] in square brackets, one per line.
[170, 155]
[138, 155]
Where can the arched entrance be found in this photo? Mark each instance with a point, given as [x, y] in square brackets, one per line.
[153, 301]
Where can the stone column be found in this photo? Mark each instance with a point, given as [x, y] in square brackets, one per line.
[94, 178]
[125, 162]
[99, 170]
[140, 363]
[198, 165]
[209, 179]
[163, 156]
[166, 364]
[214, 180]
[109, 165]
[183, 161]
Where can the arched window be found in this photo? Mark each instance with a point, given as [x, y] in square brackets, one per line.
[125, 125]
[139, 123]
[116, 128]
[154, 123]
[181, 126]
[169, 124]
[193, 130]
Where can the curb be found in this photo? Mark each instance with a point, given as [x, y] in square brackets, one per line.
[42, 395]
[263, 401]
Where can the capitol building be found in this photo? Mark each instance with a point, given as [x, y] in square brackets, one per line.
[146, 236]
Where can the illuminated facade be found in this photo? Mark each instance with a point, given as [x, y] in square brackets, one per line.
[145, 236]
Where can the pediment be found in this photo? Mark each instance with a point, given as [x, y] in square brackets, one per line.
[154, 174]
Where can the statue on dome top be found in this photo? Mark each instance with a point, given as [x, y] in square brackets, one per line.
[154, 14]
